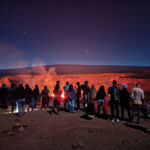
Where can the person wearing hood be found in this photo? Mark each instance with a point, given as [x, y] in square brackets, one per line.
[125, 101]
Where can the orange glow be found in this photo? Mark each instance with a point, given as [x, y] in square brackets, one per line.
[63, 95]
[97, 79]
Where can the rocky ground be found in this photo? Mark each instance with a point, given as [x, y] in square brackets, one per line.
[42, 130]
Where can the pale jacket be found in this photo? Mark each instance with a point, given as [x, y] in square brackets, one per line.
[93, 94]
[137, 94]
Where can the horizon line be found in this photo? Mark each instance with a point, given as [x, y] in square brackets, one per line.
[27, 67]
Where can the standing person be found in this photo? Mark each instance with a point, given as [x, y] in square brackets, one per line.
[137, 94]
[100, 97]
[57, 83]
[114, 100]
[45, 97]
[125, 101]
[57, 96]
[36, 95]
[78, 95]
[86, 91]
[66, 87]
[28, 96]
[12, 97]
[90, 106]
[4, 96]
[145, 109]
[71, 97]
[20, 95]
[92, 95]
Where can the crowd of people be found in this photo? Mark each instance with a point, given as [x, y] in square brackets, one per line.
[18, 97]
[92, 100]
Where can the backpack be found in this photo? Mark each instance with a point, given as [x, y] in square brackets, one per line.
[114, 92]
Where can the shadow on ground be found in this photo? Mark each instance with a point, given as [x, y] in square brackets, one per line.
[136, 127]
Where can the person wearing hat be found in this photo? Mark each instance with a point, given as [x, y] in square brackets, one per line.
[125, 101]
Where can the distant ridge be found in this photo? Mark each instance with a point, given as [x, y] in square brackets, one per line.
[75, 69]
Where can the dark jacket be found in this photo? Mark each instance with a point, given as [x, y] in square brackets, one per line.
[85, 89]
[28, 95]
[36, 92]
[12, 93]
[12, 98]
[4, 93]
[100, 95]
[20, 93]
[124, 96]
[78, 94]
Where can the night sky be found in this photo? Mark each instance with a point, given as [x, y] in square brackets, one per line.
[90, 32]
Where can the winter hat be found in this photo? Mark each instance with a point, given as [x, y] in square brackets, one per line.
[124, 86]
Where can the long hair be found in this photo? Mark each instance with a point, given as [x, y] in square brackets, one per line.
[93, 87]
[102, 88]
[70, 88]
[93, 92]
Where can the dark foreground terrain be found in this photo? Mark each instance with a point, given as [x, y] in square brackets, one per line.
[68, 131]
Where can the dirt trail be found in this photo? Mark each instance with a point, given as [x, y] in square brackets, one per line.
[72, 131]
